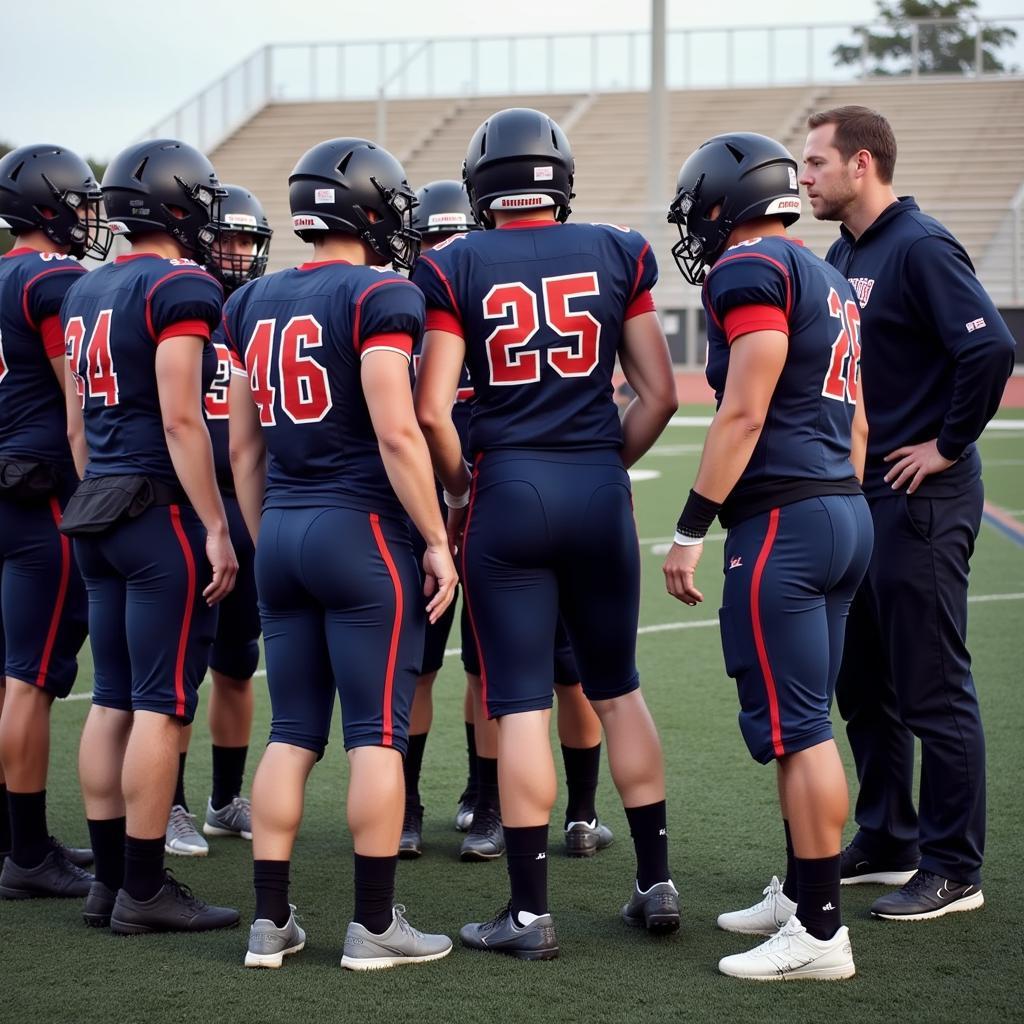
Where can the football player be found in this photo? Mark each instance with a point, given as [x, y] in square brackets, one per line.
[239, 254]
[151, 534]
[443, 210]
[51, 202]
[538, 310]
[783, 351]
[328, 462]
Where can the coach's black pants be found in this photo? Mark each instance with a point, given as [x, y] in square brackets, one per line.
[907, 673]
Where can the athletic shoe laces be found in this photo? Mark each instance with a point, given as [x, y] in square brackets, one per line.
[403, 924]
[68, 866]
[183, 892]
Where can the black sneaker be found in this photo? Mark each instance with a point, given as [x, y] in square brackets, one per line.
[533, 941]
[56, 877]
[175, 908]
[80, 855]
[467, 805]
[99, 905]
[486, 838]
[925, 896]
[656, 909]
[410, 846]
[585, 838]
[856, 868]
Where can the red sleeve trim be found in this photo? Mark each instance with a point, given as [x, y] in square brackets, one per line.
[639, 271]
[198, 271]
[62, 269]
[186, 328]
[643, 303]
[397, 342]
[759, 256]
[52, 334]
[442, 320]
[447, 285]
[357, 319]
[747, 319]
[235, 360]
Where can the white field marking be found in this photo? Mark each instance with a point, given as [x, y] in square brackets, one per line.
[644, 474]
[705, 421]
[1014, 511]
[661, 627]
[675, 449]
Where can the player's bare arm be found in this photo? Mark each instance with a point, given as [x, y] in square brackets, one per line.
[248, 453]
[385, 379]
[179, 381]
[76, 425]
[755, 363]
[647, 364]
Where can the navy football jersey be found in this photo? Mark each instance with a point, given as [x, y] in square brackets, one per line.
[33, 420]
[774, 283]
[217, 368]
[541, 307]
[114, 318]
[299, 336]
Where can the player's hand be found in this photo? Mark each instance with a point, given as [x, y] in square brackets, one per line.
[679, 569]
[439, 579]
[456, 526]
[914, 462]
[221, 555]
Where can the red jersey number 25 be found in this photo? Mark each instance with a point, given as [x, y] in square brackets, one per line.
[841, 381]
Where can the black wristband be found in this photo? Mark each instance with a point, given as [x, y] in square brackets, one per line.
[697, 516]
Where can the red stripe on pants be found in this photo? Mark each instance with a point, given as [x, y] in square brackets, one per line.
[387, 733]
[762, 650]
[190, 569]
[62, 593]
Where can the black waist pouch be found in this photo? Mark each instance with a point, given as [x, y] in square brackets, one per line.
[102, 501]
[25, 481]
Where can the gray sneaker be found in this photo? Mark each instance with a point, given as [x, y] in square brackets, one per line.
[400, 944]
[656, 909]
[182, 839]
[533, 941]
[54, 876]
[485, 839]
[269, 945]
[585, 838]
[235, 819]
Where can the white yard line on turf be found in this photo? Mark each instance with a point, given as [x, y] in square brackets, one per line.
[705, 421]
[664, 627]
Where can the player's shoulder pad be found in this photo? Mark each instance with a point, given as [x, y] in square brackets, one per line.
[768, 255]
[57, 259]
[623, 236]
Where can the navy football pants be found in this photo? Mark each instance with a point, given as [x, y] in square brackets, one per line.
[790, 575]
[907, 673]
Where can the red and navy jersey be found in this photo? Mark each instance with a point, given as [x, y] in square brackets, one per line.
[217, 369]
[299, 337]
[541, 307]
[114, 318]
[937, 352]
[33, 421]
[774, 283]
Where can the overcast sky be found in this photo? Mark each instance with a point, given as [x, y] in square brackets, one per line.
[96, 76]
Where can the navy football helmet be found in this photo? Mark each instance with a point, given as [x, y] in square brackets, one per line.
[338, 184]
[744, 174]
[164, 186]
[50, 189]
[442, 208]
[239, 213]
[518, 159]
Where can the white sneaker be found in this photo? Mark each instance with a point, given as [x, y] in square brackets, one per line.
[182, 838]
[793, 954]
[764, 918]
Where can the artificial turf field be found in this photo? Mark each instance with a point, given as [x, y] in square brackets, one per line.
[724, 828]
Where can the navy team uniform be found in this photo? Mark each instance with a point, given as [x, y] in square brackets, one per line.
[145, 569]
[236, 651]
[907, 671]
[550, 527]
[42, 600]
[799, 532]
[339, 587]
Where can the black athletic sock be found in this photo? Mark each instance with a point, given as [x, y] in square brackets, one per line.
[487, 784]
[5, 821]
[143, 867]
[412, 765]
[789, 885]
[581, 767]
[527, 850]
[30, 840]
[650, 840]
[228, 769]
[471, 776]
[106, 836]
[179, 787]
[375, 891]
[270, 880]
[817, 905]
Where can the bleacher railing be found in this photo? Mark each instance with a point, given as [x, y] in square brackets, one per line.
[536, 64]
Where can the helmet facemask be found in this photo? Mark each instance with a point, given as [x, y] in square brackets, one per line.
[80, 223]
[701, 239]
[392, 237]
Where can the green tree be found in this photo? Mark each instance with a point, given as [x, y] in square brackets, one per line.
[947, 47]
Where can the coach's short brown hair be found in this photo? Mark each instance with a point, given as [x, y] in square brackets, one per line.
[861, 128]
